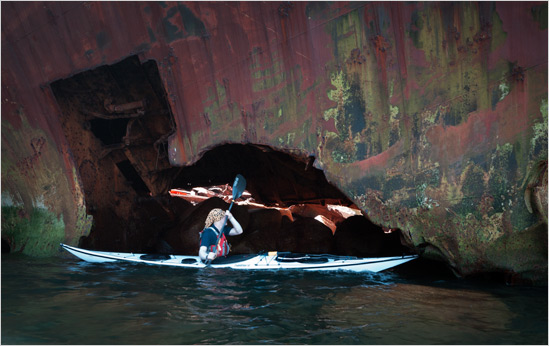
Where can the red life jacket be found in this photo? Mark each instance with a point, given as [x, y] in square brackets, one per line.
[222, 247]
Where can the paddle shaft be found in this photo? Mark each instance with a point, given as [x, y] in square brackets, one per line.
[238, 187]
[224, 223]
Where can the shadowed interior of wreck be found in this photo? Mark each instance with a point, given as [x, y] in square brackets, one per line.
[117, 121]
[274, 178]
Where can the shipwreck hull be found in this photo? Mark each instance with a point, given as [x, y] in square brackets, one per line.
[430, 117]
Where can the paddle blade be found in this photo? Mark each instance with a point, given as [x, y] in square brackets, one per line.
[239, 186]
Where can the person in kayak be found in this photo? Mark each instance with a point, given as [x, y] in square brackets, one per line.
[210, 248]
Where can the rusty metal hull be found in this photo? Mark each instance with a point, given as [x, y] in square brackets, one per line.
[429, 116]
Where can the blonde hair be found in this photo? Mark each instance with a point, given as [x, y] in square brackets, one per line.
[214, 216]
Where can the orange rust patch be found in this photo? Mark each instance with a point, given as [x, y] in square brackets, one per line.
[483, 129]
[379, 161]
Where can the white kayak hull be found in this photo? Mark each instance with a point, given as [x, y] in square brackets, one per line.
[267, 261]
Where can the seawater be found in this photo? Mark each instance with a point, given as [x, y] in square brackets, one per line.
[67, 301]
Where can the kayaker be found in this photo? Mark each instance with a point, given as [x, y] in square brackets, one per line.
[209, 250]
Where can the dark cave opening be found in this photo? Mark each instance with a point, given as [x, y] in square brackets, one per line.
[275, 178]
[116, 120]
[109, 131]
[292, 208]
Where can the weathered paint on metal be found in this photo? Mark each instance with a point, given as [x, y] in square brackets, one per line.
[426, 114]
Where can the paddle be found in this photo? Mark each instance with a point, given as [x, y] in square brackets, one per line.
[238, 188]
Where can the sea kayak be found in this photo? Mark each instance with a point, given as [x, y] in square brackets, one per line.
[263, 261]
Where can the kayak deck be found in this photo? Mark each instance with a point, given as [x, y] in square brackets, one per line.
[263, 261]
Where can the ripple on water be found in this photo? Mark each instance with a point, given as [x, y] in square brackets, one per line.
[70, 302]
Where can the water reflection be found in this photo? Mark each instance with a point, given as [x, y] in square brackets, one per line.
[72, 302]
[449, 315]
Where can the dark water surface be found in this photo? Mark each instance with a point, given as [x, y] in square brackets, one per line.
[66, 301]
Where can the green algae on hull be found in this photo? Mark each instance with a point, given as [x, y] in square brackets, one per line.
[37, 234]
